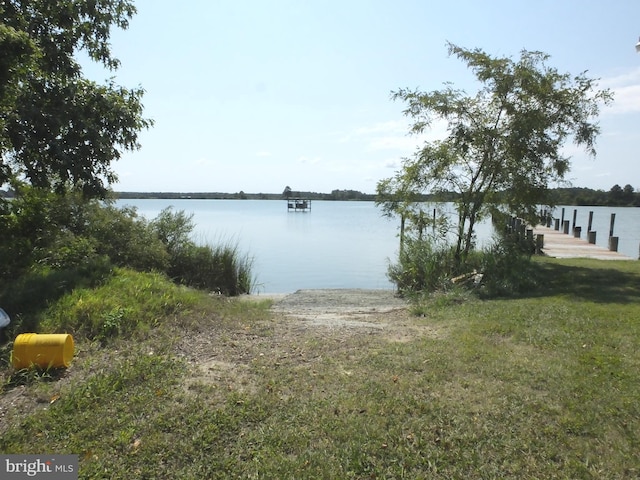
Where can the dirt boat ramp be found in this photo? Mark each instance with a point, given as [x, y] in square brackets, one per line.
[338, 307]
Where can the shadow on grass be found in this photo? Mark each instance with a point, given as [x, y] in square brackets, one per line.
[28, 376]
[593, 280]
[28, 296]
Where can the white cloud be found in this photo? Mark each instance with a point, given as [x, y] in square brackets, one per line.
[626, 100]
[394, 135]
[264, 154]
[626, 92]
[392, 163]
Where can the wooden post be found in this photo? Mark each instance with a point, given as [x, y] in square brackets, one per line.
[591, 236]
[613, 244]
[613, 221]
[613, 241]
[590, 221]
[434, 222]
[562, 217]
[539, 243]
[577, 231]
[573, 224]
[401, 232]
[565, 227]
[556, 225]
[531, 246]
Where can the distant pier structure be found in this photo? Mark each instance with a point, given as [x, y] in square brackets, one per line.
[298, 205]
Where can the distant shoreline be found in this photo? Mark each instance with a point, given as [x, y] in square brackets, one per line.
[575, 196]
[333, 196]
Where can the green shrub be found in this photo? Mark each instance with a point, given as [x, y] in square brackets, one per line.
[502, 269]
[127, 239]
[43, 230]
[173, 229]
[68, 251]
[507, 269]
[423, 266]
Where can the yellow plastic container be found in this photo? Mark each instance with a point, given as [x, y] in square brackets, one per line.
[51, 350]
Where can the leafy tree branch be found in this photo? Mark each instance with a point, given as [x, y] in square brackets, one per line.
[503, 147]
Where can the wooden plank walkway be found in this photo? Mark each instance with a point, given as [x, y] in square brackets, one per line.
[560, 245]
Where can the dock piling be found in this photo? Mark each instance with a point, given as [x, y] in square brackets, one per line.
[539, 243]
[613, 244]
[613, 241]
[577, 231]
[611, 224]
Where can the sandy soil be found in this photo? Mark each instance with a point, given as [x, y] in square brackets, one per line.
[338, 307]
[302, 328]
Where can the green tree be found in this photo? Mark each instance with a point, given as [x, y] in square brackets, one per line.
[58, 129]
[628, 194]
[616, 195]
[504, 143]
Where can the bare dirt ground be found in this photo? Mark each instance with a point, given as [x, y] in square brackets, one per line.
[303, 328]
[340, 308]
[299, 330]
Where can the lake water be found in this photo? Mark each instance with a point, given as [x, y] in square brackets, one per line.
[336, 244]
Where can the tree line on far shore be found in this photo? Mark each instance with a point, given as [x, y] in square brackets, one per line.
[617, 196]
[241, 195]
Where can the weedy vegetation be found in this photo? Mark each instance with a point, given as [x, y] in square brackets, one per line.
[540, 385]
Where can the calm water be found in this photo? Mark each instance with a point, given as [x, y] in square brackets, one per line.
[336, 244]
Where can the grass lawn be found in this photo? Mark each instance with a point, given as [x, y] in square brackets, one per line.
[544, 386]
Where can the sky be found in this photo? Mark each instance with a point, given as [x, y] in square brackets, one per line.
[255, 95]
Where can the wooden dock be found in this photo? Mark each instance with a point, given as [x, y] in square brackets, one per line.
[561, 245]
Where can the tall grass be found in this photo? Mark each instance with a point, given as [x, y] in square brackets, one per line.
[220, 268]
[125, 304]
